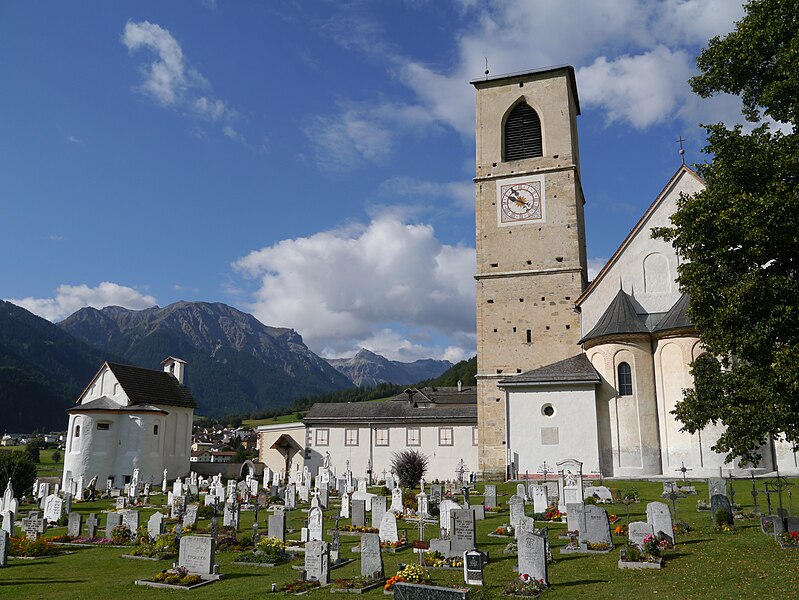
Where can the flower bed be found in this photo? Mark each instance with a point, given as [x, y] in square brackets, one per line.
[437, 560]
[175, 578]
[270, 551]
[650, 553]
[164, 547]
[300, 587]
[789, 539]
[410, 574]
[526, 586]
[504, 531]
[24, 548]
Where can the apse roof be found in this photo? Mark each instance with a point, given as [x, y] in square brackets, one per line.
[677, 317]
[619, 318]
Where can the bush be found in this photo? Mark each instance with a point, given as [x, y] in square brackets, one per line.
[56, 456]
[20, 469]
[32, 448]
[410, 466]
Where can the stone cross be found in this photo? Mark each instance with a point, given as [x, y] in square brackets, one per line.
[91, 526]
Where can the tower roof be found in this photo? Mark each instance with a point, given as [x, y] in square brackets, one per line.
[531, 74]
[677, 317]
[618, 319]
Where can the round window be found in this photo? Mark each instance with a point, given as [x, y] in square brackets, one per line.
[548, 410]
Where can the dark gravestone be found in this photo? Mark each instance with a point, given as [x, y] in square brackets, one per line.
[435, 494]
[371, 559]
[415, 591]
[473, 563]
[779, 526]
[359, 513]
[4, 544]
[792, 524]
[323, 500]
[720, 503]
[112, 520]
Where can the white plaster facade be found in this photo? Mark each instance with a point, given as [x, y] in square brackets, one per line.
[110, 434]
[269, 434]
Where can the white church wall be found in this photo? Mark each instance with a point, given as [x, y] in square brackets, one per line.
[647, 268]
[570, 432]
[443, 458]
[268, 435]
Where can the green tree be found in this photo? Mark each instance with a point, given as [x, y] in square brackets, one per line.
[56, 456]
[32, 448]
[20, 469]
[739, 239]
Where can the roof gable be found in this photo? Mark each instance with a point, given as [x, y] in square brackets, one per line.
[576, 369]
[145, 386]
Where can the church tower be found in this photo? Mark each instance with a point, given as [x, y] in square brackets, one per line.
[531, 257]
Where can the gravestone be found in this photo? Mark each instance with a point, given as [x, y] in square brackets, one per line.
[315, 523]
[130, 519]
[445, 508]
[473, 563]
[276, 527]
[601, 493]
[720, 502]
[378, 510]
[435, 493]
[359, 513]
[489, 496]
[791, 524]
[4, 544]
[668, 488]
[532, 556]
[262, 500]
[659, 517]
[637, 531]
[344, 513]
[479, 512]
[323, 499]
[422, 505]
[75, 525]
[553, 491]
[462, 530]
[8, 522]
[539, 494]
[317, 562]
[197, 554]
[335, 546]
[388, 528]
[521, 491]
[597, 526]
[371, 558]
[112, 520]
[779, 525]
[122, 503]
[92, 524]
[53, 507]
[525, 524]
[33, 526]
[396, 500]
[155, 525]
[575, 520]
[571, 482]
[516, 506]
[717, 486]
[190, 517]
[290, 499]
[232, 515]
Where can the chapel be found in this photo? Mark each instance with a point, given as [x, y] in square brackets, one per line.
[566, 367]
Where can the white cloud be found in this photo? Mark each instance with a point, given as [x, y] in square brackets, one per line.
[646, 51]
[360, 285]
[75, 140]
[232, 134]
[168, 79]
[69, 298]
[595, 266]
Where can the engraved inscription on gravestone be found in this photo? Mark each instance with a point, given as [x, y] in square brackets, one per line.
[197, 554]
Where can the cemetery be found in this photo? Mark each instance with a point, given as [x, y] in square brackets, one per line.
[207, 536]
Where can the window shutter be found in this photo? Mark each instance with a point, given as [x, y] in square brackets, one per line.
[523, 133]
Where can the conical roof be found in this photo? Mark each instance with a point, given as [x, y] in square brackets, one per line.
[677, 317]
[619, 318]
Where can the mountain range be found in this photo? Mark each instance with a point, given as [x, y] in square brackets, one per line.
[367, 369]
[236, 365]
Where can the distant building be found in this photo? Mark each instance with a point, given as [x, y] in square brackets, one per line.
[127, 418]
[441, 423]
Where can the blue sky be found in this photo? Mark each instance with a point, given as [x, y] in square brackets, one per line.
[311, 162]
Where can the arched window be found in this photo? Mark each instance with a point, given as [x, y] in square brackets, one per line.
[77, 431]
[625, 380]
[523, 133]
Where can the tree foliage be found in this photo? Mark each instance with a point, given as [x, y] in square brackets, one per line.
[409, 466]
[739, 240]
[18, 467]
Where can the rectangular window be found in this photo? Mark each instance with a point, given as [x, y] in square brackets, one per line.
[322, 437]
[445, 436]
[474, 436]
[381, 436]
[103, 426]
[350, 437]
[413, 436]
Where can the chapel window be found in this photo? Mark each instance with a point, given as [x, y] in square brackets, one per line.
[523, 133]
[625, 380]
[77, 431]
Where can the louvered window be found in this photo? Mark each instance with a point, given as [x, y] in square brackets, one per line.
[523, 133]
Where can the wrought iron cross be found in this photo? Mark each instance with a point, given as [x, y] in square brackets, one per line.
[680, 140]
[683, 469]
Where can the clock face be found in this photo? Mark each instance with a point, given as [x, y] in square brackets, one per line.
[520, 203]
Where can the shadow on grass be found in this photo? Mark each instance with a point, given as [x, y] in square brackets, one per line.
[687, 542]
[38, 581]
[676, 556]
[580, 582]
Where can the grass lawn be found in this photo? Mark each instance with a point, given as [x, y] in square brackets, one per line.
[747, 564]
[46, 467]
